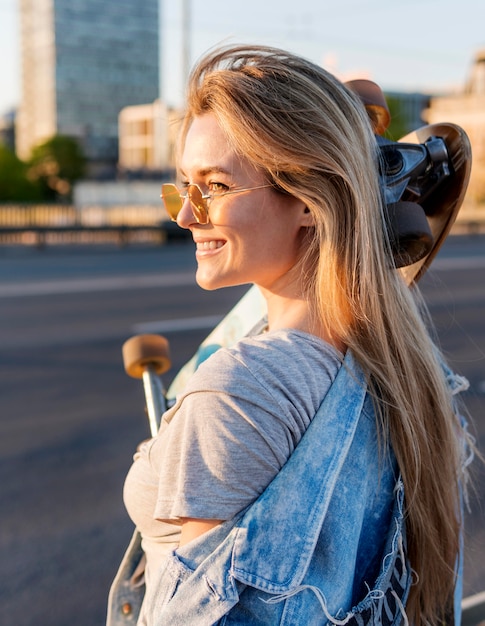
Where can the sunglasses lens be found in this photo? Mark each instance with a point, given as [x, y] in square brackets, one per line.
[199, 204]
[171, 200]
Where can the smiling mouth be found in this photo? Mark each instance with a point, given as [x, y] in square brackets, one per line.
[209, 245]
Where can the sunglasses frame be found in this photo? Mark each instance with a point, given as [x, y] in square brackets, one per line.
[199, 202]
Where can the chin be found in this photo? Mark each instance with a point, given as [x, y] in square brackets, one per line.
[212, 283]
[209, 284]
[209, 287]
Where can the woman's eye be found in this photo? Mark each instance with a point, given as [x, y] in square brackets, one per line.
[217, 187]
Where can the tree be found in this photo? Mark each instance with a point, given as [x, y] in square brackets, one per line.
[57, 164]
[399, 126]
[14, 184]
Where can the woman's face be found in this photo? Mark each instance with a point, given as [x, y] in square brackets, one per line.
[253, 236]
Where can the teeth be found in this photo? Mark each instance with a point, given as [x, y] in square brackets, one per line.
[209, 245]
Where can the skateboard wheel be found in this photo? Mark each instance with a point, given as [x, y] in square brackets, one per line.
[146, 351]
[374, 101]
[411, 238]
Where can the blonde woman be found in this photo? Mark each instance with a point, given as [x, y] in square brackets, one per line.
[311, 473]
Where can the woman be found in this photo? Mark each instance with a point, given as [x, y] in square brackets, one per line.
[294, 481]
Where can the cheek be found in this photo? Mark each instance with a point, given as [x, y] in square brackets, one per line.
[276, 250]
[267, 230]
[285, 237]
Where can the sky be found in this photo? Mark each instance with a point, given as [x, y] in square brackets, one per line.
[403, 45]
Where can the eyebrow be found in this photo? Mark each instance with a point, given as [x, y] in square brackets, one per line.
[210, 170]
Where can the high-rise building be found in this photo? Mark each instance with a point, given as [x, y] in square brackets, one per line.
[82, 62]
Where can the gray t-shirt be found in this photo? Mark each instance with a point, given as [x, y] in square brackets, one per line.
[230, 432]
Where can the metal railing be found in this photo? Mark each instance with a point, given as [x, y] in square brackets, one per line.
[44, 224]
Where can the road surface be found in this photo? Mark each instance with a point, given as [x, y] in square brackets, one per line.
[70, 418]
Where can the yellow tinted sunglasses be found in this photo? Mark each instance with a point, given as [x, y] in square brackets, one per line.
[173, 200]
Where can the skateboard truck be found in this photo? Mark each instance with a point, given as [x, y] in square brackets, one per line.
[412, 170]
[147, 357]
[424, 177]
[409, 174]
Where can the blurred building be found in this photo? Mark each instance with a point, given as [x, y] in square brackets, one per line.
[82, 62]
[147, 137]
[467, 109]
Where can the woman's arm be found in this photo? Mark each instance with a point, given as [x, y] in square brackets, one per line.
[193, 528]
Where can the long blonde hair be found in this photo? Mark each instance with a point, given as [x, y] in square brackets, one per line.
[312, 138]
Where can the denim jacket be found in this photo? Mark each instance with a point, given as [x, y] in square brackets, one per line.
[324, 544]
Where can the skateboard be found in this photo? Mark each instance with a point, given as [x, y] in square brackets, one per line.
[424, 177]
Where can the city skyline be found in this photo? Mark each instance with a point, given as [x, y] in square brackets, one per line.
[426, 45]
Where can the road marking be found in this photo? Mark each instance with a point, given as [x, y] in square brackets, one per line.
[83, 285]
[167, 326]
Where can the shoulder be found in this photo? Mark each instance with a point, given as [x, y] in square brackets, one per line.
[285, 372]
[274, 358]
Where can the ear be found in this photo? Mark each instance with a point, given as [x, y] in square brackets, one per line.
[307, 220]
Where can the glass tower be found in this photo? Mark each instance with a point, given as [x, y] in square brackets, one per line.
[82, 62]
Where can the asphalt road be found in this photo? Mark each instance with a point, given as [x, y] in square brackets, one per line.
[70, 418]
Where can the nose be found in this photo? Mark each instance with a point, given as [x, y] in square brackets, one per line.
[186, 218]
